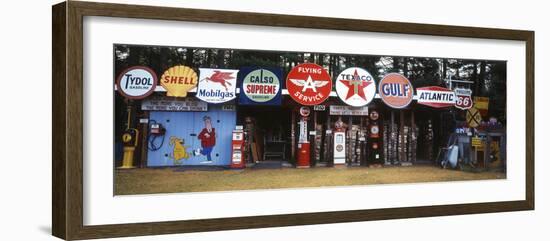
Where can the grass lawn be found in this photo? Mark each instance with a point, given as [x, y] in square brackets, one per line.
[166, 180]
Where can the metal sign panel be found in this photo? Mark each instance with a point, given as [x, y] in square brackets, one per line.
[217, 85]
[171, 104]
[348, 110]
[178, 80]
[308, 84]
[136, 82]
[435, 96]
[396, 90]
[260, 86]
[355, 86]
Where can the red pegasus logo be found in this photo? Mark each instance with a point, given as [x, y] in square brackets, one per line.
[221, 78]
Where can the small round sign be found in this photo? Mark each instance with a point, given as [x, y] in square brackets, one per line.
[374, 115]
[396, 90]
[261, 85]
[304, 111]
[136, 82]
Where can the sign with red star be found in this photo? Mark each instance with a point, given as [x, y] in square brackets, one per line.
[355, 86]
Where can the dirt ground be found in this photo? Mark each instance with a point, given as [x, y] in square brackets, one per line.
[168, 180]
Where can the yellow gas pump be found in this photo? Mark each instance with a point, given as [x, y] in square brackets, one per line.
[130, 141]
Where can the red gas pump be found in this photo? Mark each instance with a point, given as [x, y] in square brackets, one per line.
[237, 144]
[303, 140]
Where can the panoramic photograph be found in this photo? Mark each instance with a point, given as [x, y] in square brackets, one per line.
[192, 119]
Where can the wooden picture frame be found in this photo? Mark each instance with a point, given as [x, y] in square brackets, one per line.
[67, 152]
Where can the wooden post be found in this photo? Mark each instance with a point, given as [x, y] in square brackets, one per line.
[392, 140]
[414, 142]
[349, 148]
[144, 140]
[402, 146]
[293, 135]
[315, 150]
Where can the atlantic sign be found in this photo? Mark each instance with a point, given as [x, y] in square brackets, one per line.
[217, 85]
[136, 82]
[435, 96]
[355, 87]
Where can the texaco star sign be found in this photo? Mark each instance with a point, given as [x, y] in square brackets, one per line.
[355, 86]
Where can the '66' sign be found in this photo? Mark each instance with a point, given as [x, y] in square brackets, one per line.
[463, 98]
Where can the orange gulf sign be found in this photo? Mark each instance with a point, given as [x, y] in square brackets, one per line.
[178, 80]
[395, 90]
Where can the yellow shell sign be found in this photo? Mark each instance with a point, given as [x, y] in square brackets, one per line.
[178, 80]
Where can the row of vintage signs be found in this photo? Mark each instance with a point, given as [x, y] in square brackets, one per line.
[308, 84]
[259, 85]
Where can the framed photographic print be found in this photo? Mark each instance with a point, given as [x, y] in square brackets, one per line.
[170, 120]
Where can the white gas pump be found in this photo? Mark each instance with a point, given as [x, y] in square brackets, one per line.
[339, 147]
[339, 142]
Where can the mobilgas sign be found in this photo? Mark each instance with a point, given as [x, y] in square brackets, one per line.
[136, 82]
[435, 96]
[355, 86]
[217, 85]
[260, 86]
[396, 90]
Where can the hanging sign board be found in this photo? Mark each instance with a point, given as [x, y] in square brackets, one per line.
[217, 85]
[349, 110]
[171, 104]
[319, 107]
[308, 84]
[476, 142]
[463, 98]
[473, 117]
[482, 104]
[178, 80]
[396, 90]
[260, 86]
[136, 82]
[435, 96]
[355, 86]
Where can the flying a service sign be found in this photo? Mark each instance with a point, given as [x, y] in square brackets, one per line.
[260, 86]
[355, 86]
[217, 85]
[308, 84]
[435, 96]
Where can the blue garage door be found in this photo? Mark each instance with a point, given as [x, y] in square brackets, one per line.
[182, 130]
